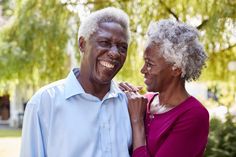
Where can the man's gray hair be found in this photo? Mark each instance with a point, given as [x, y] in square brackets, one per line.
[109, 14]
[179, 45]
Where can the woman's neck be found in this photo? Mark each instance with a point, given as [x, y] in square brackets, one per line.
[174, 94]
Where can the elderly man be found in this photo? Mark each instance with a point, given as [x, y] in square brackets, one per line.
[85, 114]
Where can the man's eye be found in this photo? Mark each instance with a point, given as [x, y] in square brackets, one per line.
[123, 49]
[104, 43]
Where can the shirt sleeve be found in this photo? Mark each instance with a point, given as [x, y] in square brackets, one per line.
[32, 134]
[187, 139]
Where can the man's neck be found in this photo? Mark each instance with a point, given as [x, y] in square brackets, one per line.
[95, 89]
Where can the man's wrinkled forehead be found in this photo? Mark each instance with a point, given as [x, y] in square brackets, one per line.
[106, 30]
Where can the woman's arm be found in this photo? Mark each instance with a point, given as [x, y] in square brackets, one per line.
[137, 109]
[188, 138]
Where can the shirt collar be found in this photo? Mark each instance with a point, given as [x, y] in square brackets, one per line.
[73, 86]
[114, 91]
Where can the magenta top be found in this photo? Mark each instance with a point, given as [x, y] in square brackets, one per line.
[180, 132]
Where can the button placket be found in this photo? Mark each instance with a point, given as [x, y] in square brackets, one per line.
[105, 131]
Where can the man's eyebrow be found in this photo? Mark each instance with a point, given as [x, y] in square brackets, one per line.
[103, 37]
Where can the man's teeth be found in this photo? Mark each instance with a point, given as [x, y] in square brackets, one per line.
[106, 64]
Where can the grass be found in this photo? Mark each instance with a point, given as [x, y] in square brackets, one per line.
[10, 133]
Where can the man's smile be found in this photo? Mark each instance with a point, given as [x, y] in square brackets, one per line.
[107, 64]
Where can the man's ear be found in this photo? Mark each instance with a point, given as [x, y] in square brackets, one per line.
[176, 71]
[82, 44]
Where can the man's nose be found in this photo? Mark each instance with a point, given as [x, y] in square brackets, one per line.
[113, 52]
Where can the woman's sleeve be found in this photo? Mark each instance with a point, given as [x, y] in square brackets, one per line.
[189, 136]
[140, 152]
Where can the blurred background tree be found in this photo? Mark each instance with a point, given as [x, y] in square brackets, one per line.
[34, 40]
[222, 138]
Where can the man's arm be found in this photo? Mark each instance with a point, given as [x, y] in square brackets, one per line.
[32, 134]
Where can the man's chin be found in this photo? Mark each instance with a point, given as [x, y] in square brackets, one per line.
[103, 81]
[105, 77]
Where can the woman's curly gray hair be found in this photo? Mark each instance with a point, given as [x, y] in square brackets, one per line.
[109, 14]
[179, 45]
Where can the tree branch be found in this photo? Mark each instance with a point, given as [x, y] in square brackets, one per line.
[169, 10]
[227, 48]
[204, 22]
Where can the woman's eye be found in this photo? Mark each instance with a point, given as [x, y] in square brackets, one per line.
[149, 65]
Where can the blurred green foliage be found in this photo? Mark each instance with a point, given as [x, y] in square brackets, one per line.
[33, 42]
[222, 138]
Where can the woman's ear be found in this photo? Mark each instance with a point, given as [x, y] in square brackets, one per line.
[82, 44]
[176, 71]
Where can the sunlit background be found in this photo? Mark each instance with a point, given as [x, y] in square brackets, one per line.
[38, 45]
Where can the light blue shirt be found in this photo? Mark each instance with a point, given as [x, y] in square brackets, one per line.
[61, 120]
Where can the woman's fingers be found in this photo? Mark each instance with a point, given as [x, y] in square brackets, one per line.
[133, 88]
[137, 106]
[121, 87]
[139, 88]
[124, 86]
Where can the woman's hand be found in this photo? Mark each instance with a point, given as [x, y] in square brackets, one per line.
[124, 86]
[137, 107]
[137, 103]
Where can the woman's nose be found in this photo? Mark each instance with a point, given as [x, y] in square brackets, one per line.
[143, 69]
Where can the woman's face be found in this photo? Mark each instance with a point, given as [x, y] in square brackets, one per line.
[157, 72]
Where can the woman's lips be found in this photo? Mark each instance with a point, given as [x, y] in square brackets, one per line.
[146, 80]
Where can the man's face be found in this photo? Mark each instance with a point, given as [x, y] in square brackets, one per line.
[105, 52]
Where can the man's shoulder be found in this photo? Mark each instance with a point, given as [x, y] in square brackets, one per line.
[115, 88]
[49, 91]
[53, 85]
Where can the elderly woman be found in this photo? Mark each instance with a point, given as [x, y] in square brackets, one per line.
[170, 122]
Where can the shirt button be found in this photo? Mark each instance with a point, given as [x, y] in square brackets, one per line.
[151, 116]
